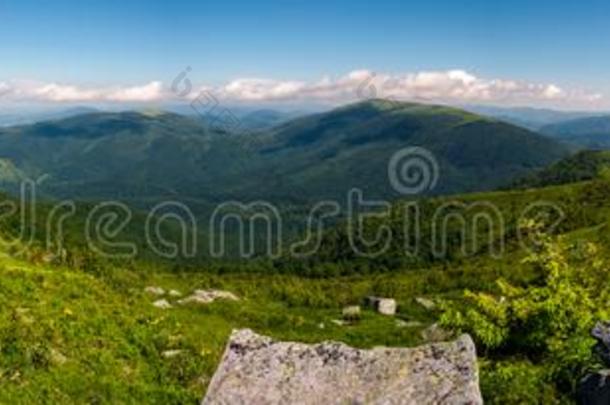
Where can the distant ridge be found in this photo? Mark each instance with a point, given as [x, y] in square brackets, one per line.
[109, 155]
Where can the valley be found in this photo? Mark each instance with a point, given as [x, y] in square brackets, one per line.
[168, 351]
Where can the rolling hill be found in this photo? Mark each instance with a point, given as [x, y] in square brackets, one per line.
[582, 166]
[151, 157]
[589, 132]
[527, 117]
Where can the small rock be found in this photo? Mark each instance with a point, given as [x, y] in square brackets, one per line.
[171, 353]
[338, 322]
[385, 306]
[434, 333]
[321, 325]
[410, 324]
[155, 290]
[426, 303]
[351, 313]
[601, 333]
[208, 296]
[48, 258]
[175, 293]
[162, 304]
[57, 358]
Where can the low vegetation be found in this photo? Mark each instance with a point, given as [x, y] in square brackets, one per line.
[79, 328]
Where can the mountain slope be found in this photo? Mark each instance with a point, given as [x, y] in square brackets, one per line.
[589, 132]
[351, 147]
[585, 165]
[152, 157]
[527, 117]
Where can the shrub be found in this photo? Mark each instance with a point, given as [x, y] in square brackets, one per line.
[547, 321]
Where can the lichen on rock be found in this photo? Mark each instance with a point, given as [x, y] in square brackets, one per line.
[260, 370]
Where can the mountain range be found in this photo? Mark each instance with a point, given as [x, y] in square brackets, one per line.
[160, 155]
[588, 132]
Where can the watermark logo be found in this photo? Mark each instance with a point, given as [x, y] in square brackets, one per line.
[413, 170]
[206, 105]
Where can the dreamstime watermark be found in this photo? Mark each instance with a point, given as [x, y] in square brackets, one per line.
[413, 170]
[257, 228]
[372, 88]
[206, 104]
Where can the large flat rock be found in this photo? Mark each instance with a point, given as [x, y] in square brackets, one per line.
[259, 370]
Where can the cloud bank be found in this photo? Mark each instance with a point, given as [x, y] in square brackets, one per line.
[55, 92]
[452, 86]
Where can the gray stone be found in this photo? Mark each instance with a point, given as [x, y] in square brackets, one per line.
[434, 333]
[259, 370]
[385, 306]
[601, 333]
[155, 290]
[408, 324]
[426, 303]
[174, 293]
[168, 354]
[351, 313]
[162, 304]
[208, 296]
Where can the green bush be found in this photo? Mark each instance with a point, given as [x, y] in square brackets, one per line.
[547, 322]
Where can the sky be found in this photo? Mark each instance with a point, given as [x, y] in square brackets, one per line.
[520, 52]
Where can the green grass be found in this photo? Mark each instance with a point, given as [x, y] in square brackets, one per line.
[90, 334]
[73, 337]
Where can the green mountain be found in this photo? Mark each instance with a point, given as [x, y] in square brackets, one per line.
[350, 147]
[584, 165]
[265, 119]
[527, 117]
[589, 132]
[156, 156]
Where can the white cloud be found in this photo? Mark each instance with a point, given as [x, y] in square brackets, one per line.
[451, 86]
[262, 89]
[55, 92]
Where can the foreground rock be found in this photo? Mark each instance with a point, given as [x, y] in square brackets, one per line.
[258, 370]
[208, 296]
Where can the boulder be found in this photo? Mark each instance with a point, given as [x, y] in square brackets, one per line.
[385, 306]
[208, 296]
[259, 370]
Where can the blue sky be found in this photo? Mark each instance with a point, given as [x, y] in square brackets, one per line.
[120, 43]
